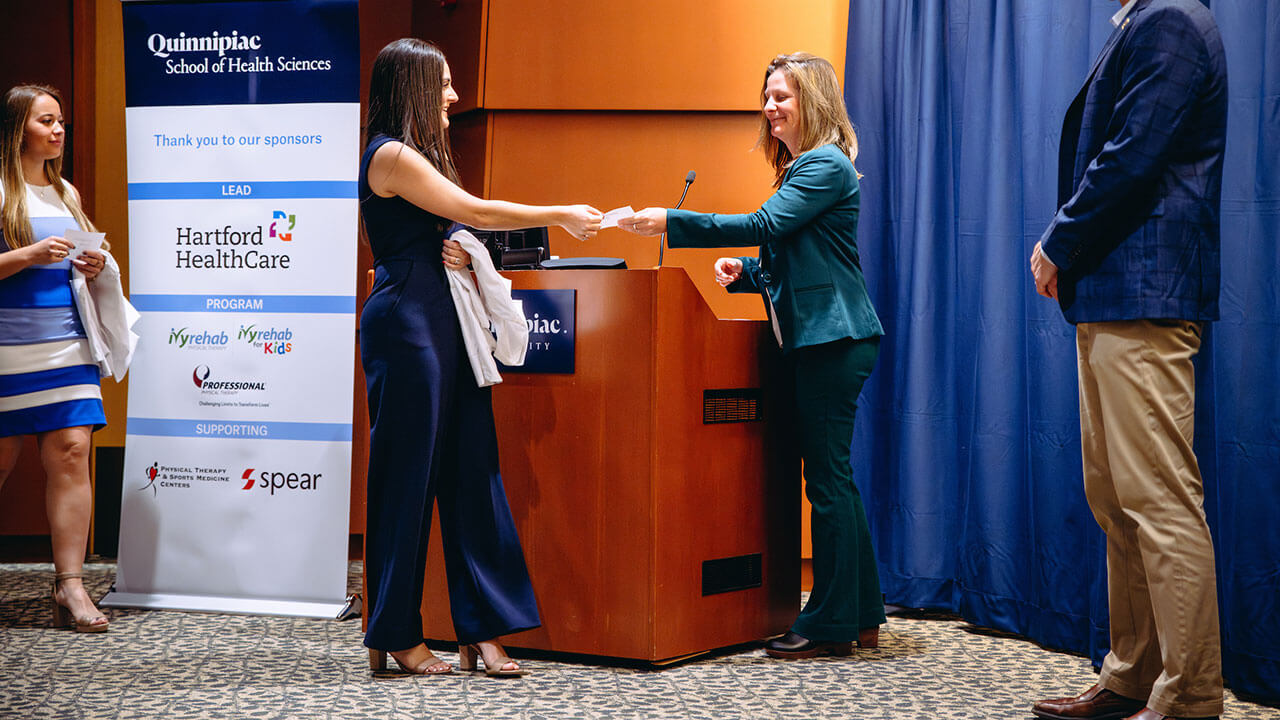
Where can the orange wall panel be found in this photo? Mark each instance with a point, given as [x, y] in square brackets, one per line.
[110, 187]
[638, 159]
[459, 31]
[650, 54]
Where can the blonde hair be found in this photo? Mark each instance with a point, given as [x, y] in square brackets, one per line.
[823, 118]
[15, 221]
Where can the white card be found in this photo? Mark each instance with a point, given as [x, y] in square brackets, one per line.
[612, 217]
[83, 240]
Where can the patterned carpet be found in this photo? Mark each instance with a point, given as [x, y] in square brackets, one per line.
[156, 665]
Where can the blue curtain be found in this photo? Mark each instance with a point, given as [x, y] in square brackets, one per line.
[967, 447]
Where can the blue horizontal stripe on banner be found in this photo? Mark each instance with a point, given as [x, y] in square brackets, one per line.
[240, 429]
[243, 190]
[318, 304]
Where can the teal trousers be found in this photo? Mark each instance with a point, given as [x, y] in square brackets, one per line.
[846, 583]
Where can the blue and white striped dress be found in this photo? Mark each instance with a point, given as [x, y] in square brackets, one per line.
[48, 379]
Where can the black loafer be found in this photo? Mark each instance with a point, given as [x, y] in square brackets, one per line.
[795, 647]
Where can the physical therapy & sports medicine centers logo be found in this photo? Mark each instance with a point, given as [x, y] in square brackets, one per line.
[180, 476]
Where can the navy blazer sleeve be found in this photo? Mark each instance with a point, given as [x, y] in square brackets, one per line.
[1165, 62]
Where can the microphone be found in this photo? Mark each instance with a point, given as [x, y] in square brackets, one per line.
[688, 180]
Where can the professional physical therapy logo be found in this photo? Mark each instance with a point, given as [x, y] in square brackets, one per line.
[181, 476]
[274, 481]
[271, 341]
[208, 54]
[235, 248]
[188, 338]
[200, 376]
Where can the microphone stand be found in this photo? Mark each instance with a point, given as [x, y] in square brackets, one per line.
[662, 239]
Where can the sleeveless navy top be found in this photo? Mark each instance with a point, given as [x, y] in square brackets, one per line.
[395, 226]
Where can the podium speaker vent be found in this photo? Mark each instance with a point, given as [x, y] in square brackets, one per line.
[731, 405]
[732, 573]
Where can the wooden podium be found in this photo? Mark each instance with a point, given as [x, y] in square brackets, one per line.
[642, 488]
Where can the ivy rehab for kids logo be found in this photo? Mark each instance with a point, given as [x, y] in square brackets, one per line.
[272, 341]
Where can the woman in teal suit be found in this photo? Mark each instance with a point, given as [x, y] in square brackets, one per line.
[810, 277]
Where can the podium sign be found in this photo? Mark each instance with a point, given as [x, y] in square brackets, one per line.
[550, 315]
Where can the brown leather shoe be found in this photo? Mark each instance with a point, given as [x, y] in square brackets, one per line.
[1149, 714]
[1096, 703]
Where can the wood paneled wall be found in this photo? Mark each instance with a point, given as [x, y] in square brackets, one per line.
[612, 103]
[561, 101]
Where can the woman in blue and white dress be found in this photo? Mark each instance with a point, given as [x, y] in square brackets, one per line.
[48, 379]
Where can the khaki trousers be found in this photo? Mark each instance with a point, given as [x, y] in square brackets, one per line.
[1137, 416]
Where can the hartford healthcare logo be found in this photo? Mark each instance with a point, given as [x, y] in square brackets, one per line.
[282, 226]
[274, 481]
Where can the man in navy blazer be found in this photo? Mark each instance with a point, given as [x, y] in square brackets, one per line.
[1132, 256]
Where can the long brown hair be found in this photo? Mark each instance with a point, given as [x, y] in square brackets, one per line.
[823, 118]
[16, 222]
[406, 97]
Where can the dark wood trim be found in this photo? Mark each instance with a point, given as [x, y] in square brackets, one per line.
[84, 43]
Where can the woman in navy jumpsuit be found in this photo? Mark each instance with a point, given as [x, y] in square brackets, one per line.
[432, 432]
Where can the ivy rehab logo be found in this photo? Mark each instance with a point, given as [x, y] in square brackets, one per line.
[187, 339]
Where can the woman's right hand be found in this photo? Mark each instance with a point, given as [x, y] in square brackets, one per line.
[582, 221]
[49, 250]
[728, 270]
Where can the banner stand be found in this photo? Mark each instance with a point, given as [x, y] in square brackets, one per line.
[242, 130]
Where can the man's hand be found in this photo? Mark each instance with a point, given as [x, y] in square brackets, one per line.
[1045, 273]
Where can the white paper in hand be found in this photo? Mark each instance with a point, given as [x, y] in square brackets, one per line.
[83, 240]
[612, 217]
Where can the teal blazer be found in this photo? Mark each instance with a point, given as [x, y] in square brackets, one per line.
[808, 265]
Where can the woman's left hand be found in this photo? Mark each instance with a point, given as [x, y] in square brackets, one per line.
[649, 221]
[455, 258]
[90, 263]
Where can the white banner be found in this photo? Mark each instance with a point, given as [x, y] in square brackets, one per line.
[243, 147]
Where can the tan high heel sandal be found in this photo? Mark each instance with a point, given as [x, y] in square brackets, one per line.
[62, 616]
[378, 664]
[467, 655]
